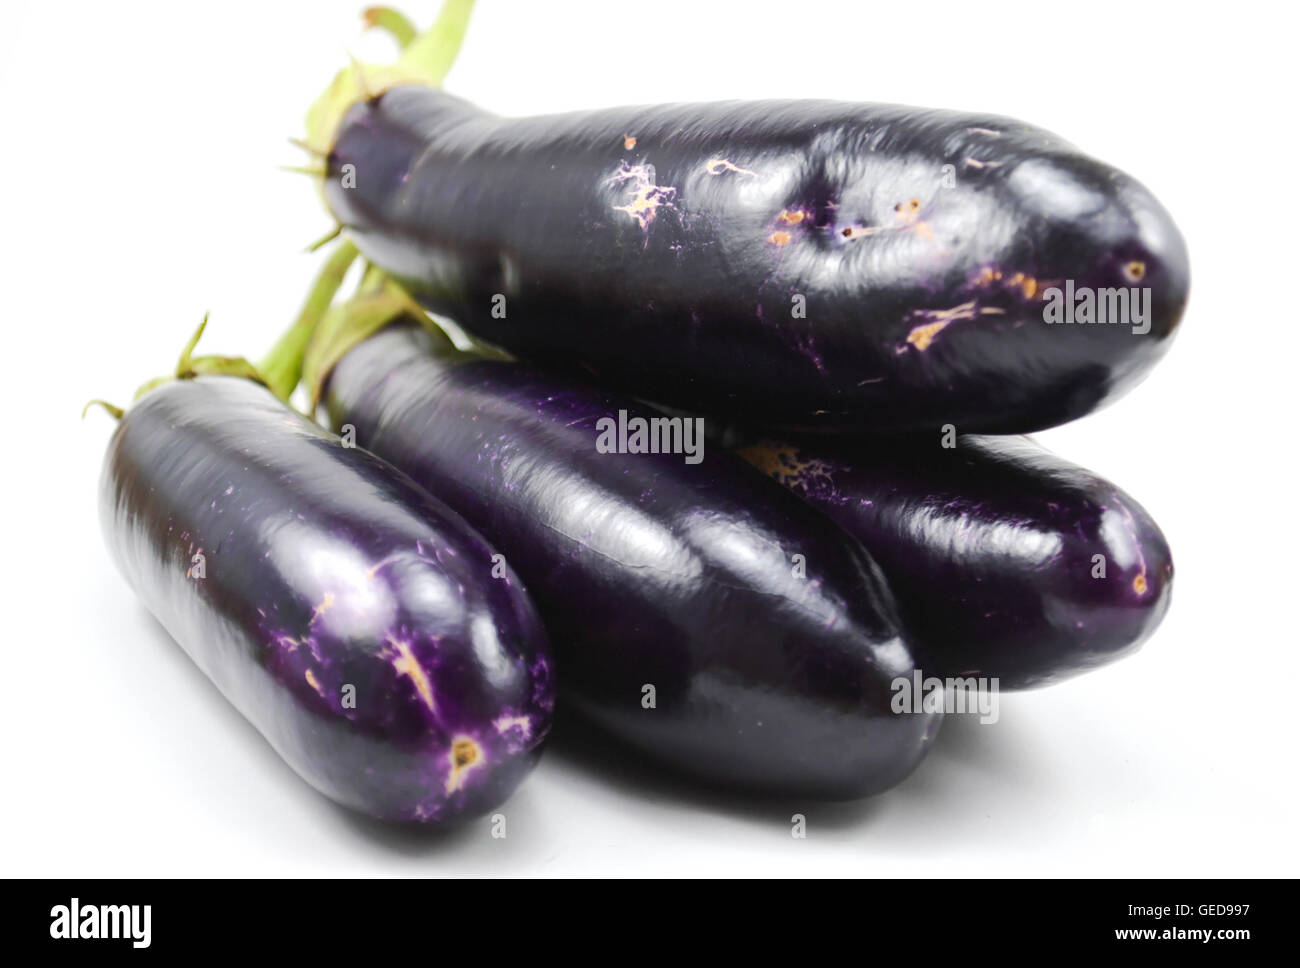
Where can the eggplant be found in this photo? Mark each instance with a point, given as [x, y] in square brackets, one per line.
[701, 615]
[354, 620]
[804, 265]
[1007, 561]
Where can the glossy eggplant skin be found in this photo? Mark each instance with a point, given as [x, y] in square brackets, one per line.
[350, 617]
[652, 572]
[800, 264]
[991, 549]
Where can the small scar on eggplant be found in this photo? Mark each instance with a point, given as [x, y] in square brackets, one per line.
[717, 166]
[779, 238]
[1140, 584]
[1135, 270]
[406, 664]
[791, 217]
[783, 463]
[313, 681]
[913, 206]
[464, 752]
[1026, 284]
[326, 603]
[464, 756]
[922, 336]
[629, 142]
[507, 723]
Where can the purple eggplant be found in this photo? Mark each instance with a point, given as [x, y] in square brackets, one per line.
[362, 626]
[699, 613]
[1007, 561]
[802, 265]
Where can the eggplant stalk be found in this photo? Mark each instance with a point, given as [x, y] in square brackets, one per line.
[426, 58]
[281, 368]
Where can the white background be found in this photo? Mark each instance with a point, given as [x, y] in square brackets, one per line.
[139, 189]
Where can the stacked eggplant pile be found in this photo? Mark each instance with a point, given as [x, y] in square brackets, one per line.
[725, 449]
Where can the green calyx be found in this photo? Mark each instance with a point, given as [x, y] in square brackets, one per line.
[187, 368]
[113, 411]
[323, 333]
[378, 302]
[425, 59]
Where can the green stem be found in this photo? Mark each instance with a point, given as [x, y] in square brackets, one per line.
[393, 22]
[282, 367]
[425, 59]
[431, 54]
[189, 366]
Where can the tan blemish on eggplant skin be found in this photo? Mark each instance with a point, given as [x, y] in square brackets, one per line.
[406, 664]
[464, 756]
[313, 681]
[791, 217]
[1140, 584]
[646, 198]
[779, 238]
[464, 752]
[629, 143]
[326, 603]
[643, 206]
[1028, 285]
[906, 218]
[766, 456]
[923, 336]
[782, 462]
[1135, 271]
